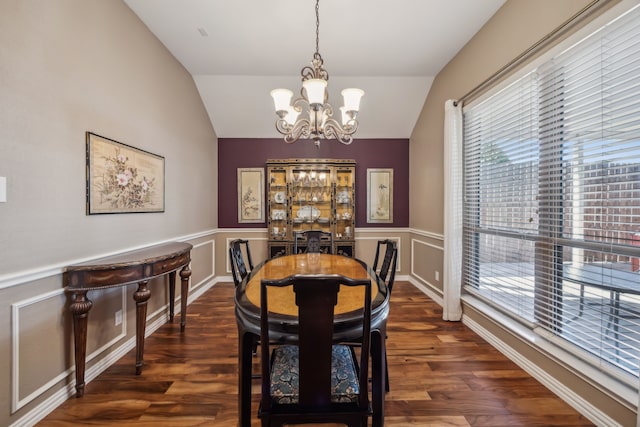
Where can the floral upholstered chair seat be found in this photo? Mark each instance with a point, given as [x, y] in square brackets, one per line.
[285, 375]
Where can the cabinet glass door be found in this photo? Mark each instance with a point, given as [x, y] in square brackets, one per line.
[311, 199]
[345, 205]
[278, 203]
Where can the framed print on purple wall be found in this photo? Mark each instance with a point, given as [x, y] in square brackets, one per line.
[121, 178]
[380, 195]
[251, 195]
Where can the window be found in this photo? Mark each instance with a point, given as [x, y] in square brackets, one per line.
[552, 196]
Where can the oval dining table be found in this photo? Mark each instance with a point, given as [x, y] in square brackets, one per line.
[284, 322]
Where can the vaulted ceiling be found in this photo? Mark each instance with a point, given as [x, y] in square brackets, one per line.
[238, 50]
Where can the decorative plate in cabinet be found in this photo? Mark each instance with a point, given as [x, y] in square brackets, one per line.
[280, 197]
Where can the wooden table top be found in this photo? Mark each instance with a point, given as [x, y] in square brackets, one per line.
[281, 300]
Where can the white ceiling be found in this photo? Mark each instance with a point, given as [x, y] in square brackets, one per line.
[390, 49]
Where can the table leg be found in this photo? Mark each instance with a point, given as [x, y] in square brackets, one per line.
[80, 308]
[141, 296]
[378, 360]
[172, 294]
[185, 273]
[245, 344]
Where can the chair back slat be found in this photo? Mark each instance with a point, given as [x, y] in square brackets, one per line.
[388, 267]
[238, 266]
[313, 241]
[315, 320]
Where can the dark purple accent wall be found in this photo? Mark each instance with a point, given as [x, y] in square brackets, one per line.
[234, 153]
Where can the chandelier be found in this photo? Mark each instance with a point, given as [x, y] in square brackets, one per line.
[311, 115]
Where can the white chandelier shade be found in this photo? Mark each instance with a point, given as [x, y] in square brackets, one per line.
[281, 99]
[315, 90]
[352, 98]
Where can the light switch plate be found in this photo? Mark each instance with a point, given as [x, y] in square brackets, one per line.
[3, 189]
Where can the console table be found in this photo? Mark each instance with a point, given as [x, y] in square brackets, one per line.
[137, 266]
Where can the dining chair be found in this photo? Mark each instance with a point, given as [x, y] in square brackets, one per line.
[388, 267]
[313, 379]
[239, 270]
[315, 241]
[238, 266]
[388, 274]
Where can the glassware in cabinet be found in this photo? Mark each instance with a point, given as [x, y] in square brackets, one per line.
[278, 202]
[344, 203]
[311, 197]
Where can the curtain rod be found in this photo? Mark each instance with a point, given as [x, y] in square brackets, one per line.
[533, 49]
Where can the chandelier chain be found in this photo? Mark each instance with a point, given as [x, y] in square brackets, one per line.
[317, 26]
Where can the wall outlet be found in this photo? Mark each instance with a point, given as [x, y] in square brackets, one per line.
[118, 317]
[437, 276]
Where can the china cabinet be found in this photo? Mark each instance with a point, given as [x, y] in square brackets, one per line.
[310, 194]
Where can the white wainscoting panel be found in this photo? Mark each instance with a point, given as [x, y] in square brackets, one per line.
[17, 401]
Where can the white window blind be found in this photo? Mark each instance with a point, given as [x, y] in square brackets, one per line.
[552, 195]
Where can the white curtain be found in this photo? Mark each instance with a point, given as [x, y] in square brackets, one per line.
[452, 274]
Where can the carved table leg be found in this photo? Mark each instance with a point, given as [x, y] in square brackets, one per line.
[141, 296]
[185, 273]
[80, 308]
[172, 294]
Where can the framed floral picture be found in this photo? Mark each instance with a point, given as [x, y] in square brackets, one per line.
[251, 195]
[380, 195]
[121, 178]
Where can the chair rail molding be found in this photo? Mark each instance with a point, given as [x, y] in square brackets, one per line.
[377, 230]
[25, 276]
[427, 234]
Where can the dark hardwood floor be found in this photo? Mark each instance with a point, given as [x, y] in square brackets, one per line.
[441, 374]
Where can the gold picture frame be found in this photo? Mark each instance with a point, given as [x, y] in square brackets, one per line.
[122, 178]
[380, 195]
[251, 195]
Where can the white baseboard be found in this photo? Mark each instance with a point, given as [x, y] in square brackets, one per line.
[573, 399]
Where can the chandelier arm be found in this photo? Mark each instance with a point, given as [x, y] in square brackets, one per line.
[283, 126]
[293, 132]
[348, 129]
[328, 109]
[300, 104]
[333, 130]
[301, 129]
[351, 126]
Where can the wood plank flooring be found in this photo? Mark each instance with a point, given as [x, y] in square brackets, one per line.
[441, 374]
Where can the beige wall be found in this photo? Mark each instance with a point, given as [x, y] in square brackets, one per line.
[67, 67]
[72, 66]
[514, 28]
